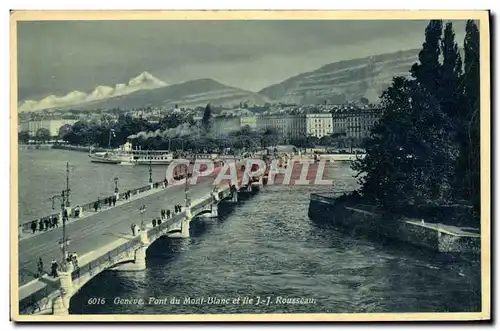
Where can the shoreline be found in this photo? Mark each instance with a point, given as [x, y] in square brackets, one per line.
[433, 228]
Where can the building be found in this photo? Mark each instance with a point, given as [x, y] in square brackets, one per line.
[250, 120]
[53, 125]
[355, 122]
[319, 125]
[288, 126]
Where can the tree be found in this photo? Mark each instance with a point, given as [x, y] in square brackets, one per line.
[470, 140]
[326, 141]
[270, 137]
[64, 131]
[427, 71]
[451, 74]
[23, 136]
[42, 135]
[206, 121]
[425, 148]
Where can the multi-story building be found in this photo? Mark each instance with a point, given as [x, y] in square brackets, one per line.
[319, 125]
[355, 122]
[250, 120]
[288, 126]
[53, 125]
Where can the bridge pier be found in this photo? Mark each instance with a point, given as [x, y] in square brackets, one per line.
[61, 303]
[214, 207]
[185, 228]
[140, 259]
[59, 307]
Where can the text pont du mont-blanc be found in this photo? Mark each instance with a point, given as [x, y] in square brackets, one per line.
[209, 300]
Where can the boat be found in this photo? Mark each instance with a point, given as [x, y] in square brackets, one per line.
[126, 155]
[104, 157]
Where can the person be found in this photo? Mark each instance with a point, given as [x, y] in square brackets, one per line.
[159, 222]
[154, 222]
[162, 213]
[53, 268]
[40, 267]
[33, 226]
[96, 206]
[114, 201]
[133, 229]
[40, 225]
[128, 194]
[110, 201]
[74, 259]
[168, 213]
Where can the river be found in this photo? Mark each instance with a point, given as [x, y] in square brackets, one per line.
[265, 249]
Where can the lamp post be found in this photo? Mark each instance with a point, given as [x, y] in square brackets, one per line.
[150, 169]
[68, 191]
[142, 210]
[116, 184]
[64, 242]
[187, 200]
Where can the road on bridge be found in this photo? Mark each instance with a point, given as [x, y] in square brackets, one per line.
[95, 231]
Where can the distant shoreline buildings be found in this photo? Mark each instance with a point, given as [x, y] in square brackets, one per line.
[291, 121]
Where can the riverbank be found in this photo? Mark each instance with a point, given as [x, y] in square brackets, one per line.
[437, 231]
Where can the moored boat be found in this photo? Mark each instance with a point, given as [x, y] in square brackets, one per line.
[104, 157]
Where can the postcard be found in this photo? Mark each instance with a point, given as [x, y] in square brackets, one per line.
[250, 166]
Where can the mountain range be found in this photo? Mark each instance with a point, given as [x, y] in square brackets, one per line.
[335, 83]
[345, 80]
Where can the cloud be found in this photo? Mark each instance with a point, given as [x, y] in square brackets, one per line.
[143, 81]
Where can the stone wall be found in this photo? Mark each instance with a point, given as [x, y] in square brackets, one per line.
[362, 218]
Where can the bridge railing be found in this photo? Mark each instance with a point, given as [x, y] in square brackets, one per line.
[107, 259]
[89, 206]
[34, 302]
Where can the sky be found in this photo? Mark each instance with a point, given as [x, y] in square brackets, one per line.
[57, 57]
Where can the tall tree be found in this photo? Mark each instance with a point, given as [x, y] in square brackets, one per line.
[206, 120]
[427, 71]
[451, 74]
[470, 154]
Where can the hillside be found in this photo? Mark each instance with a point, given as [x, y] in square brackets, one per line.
[188, 94]
[344, 81]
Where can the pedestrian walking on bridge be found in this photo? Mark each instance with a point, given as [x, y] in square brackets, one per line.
[133, 229]
[114, 201]
[33, 226]
[154, 222]
[53, 267]
[40, 268]
[168, 213]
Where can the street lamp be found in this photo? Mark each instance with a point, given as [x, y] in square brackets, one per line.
[64, 242]
[116, 184]
[142, 210]
[187, 199]
[68, 191]
[150, 168]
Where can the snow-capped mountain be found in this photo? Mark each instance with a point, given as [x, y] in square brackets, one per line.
[144, 81]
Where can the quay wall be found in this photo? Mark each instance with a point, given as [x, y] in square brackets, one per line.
[364, 219]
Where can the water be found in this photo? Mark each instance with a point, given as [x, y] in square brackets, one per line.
[268, 247]
[42, 174]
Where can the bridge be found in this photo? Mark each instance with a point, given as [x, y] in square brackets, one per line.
[104, 240]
